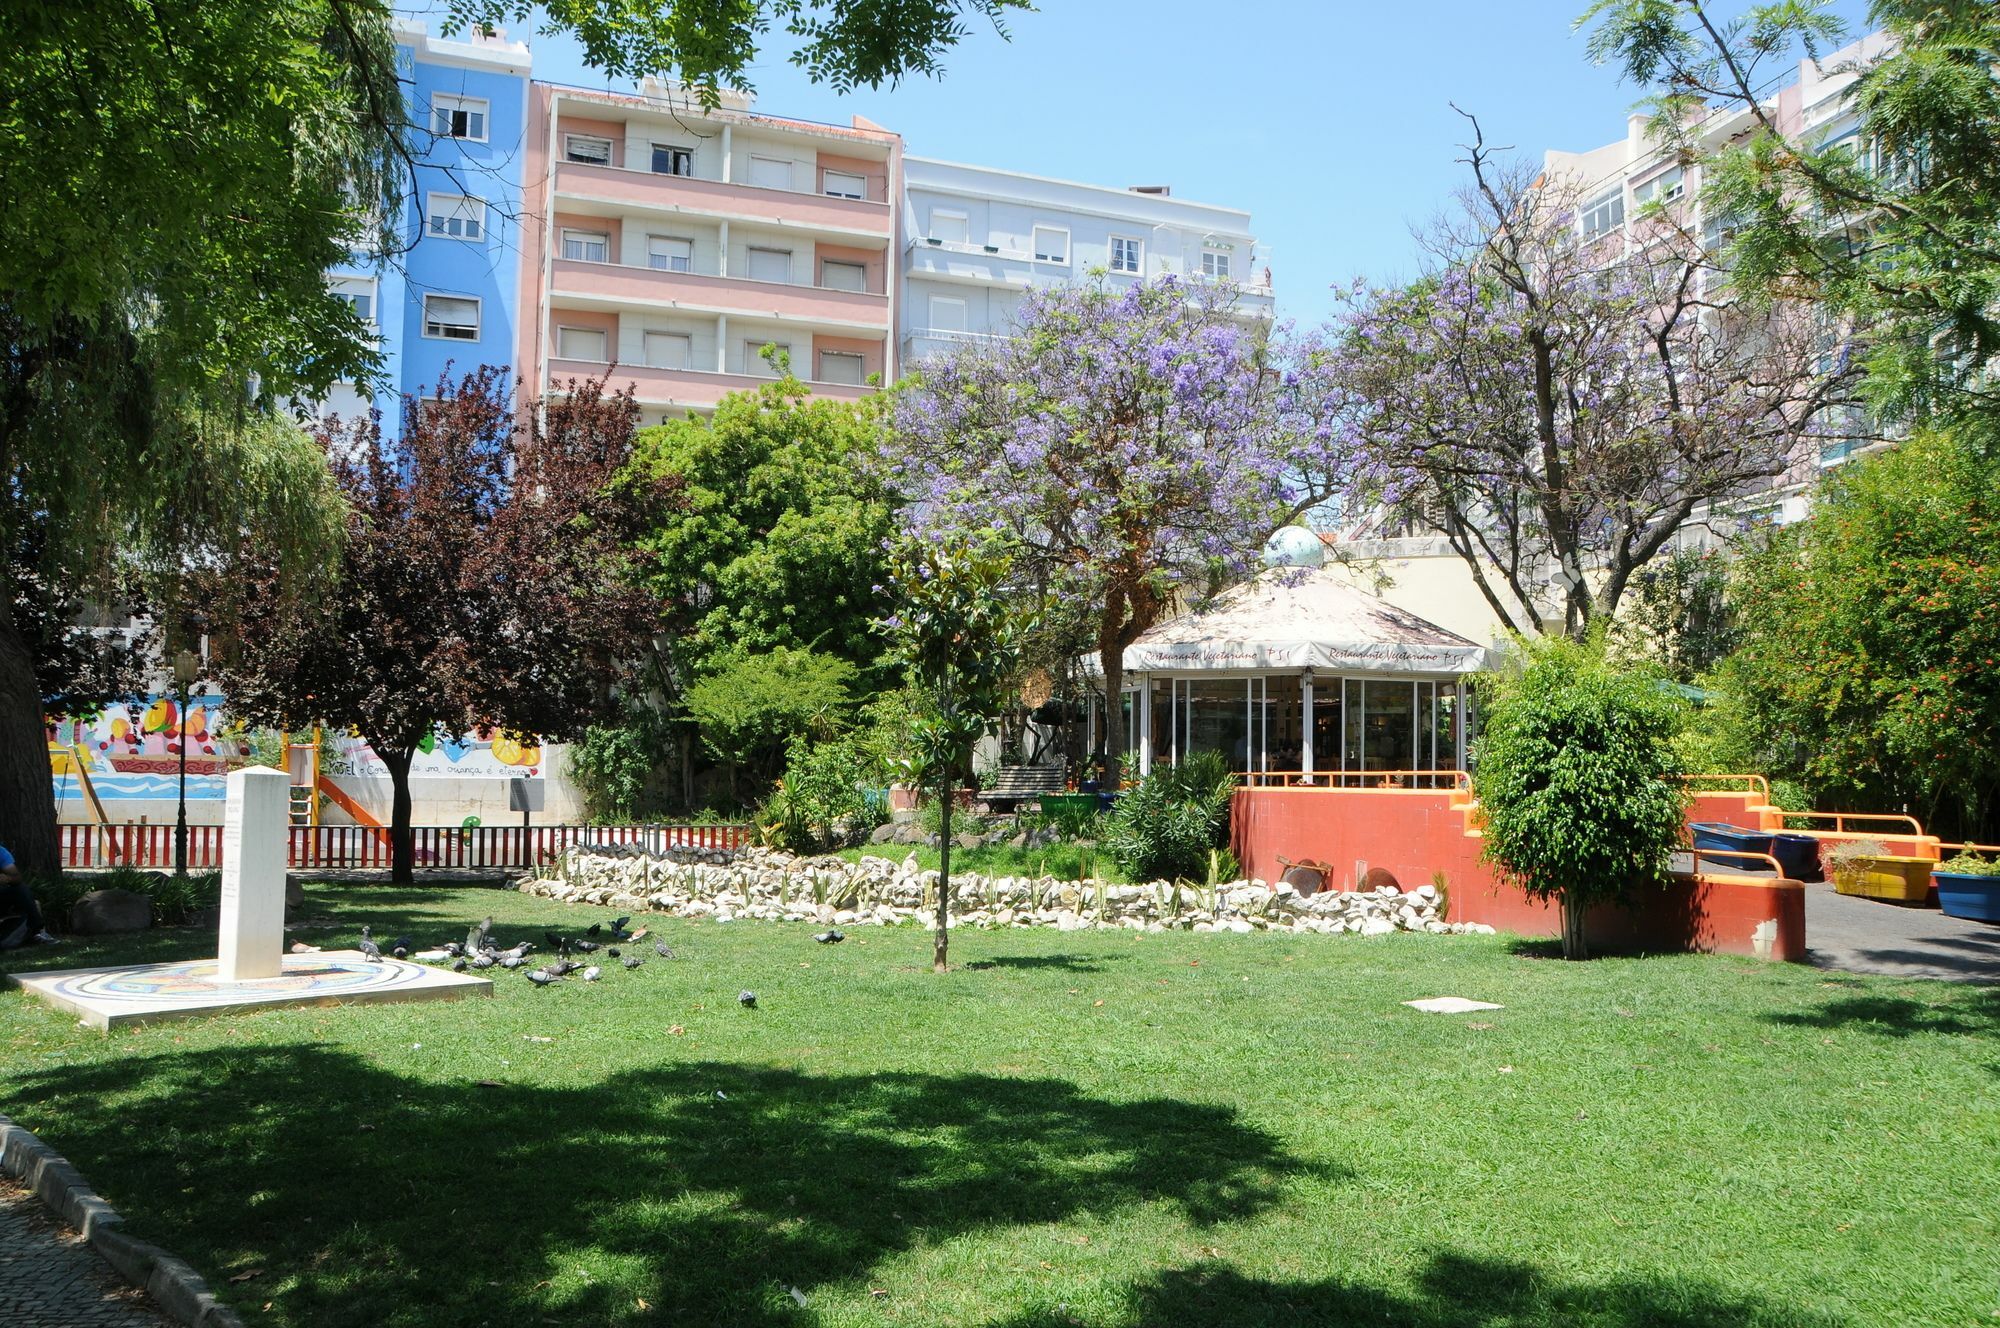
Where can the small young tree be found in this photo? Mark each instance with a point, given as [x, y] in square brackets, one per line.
[959, 641]
[1576, 780]
[485, 582]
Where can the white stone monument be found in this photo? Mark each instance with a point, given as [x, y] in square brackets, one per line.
[254, 830]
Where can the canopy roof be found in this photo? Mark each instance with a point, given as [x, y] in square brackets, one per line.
[1299, 618]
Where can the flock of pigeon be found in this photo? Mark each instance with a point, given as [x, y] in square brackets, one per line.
[479, 951]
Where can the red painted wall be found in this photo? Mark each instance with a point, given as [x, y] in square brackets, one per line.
[1426, 837]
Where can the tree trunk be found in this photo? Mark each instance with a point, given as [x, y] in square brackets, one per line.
[1112, 659]
[402, 845]
[941, 942]
[1573, 910]
[27, 797]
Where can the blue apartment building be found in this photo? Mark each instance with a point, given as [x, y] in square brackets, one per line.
[450, 301]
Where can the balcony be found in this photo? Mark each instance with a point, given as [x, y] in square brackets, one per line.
[847, 218]
[924, 342]
[580, 284]
[693, 388]
[950, 260]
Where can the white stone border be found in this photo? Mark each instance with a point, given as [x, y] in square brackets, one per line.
[176, 1288]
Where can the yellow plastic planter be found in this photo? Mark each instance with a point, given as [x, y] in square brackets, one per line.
[1902, 880]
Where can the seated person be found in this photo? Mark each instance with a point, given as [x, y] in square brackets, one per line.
[20, 919]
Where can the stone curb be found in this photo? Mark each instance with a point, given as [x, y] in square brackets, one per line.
[175, 1287]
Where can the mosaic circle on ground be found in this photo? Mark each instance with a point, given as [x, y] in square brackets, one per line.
[195, 980]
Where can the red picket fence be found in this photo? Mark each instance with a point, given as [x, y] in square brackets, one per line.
[338, 846]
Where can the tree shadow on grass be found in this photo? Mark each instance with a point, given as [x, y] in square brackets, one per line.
[1454, 1290]
[688, 1193]
[1969, 1010]
[1067, 963]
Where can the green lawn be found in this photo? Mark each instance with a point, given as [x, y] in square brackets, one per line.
[1089, 1128]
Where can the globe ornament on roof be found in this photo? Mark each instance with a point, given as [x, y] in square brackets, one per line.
[1294, 546]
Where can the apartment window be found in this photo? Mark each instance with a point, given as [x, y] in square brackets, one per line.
[843, 184]
[771, 172]
[459, 117]
[671, 160]
[1127, 255]
[770, 264]
[586, 246]
[1051, 244]
[842, 366]
[359, 293]
[669, 350]
[588, 149]
[1603, 215]
[1215, 264]
[836, 275]
[670, 253]
[451, 317]
[580, 343]
[1664, 187]
[456, 217]
[948, 226]
[755, 363]
[948, 314]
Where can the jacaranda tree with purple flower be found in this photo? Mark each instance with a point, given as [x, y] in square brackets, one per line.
[1124, 444]
[1558, 406]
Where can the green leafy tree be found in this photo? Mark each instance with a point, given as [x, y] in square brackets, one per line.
[1676, 615]
[959, 642]
[780, 543]
[610, 765]
[1870, 666]
[1891, 229]
[751, 705]
[176, 176]
[1576, 779]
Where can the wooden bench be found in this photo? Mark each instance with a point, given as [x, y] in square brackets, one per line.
[1013, 785]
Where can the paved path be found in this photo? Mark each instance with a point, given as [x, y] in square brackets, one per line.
[49, 1278]
[1868, 936]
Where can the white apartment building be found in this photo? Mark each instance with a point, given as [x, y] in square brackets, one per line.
[977, 238]
[690, 247]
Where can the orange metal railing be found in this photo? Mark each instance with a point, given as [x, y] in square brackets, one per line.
[1750, 783]
[1356, 779]
[1840, 820]
[1762, 860]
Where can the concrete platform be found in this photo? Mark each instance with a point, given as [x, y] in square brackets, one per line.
[129, 994]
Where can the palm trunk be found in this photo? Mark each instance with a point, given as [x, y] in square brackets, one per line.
[27, 797]
[941, 941]
[1574, 944]
[402, 845]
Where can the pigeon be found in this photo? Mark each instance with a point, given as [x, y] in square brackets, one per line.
[593, 973]
[633, 961]
[618, 932]
[561, 966]
[542, 977]
[452, 950]
[483, 961]
[612, 953]
[663, 950]
[369, 950]
[834, 937]
[593, 929]
[747, 999]
[512, 961]
[586, 947]
[560, 944]
[401, 947]
[518, 952]
[458, 965]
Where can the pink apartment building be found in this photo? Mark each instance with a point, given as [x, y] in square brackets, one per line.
[681, 250]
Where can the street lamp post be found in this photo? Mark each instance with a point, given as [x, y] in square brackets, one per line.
[186, 666]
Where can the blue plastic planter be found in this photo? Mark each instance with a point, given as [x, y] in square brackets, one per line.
[1798, 856]
[1964, 896]
[1720, 834]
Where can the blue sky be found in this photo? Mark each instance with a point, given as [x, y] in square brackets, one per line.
[1329, 120]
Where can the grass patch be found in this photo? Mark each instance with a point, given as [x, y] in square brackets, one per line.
[1109, 1129]
[1067, 862]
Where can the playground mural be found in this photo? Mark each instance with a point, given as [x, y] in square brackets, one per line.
[132, 750]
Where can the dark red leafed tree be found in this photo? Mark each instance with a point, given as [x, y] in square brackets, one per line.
[487, 580]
